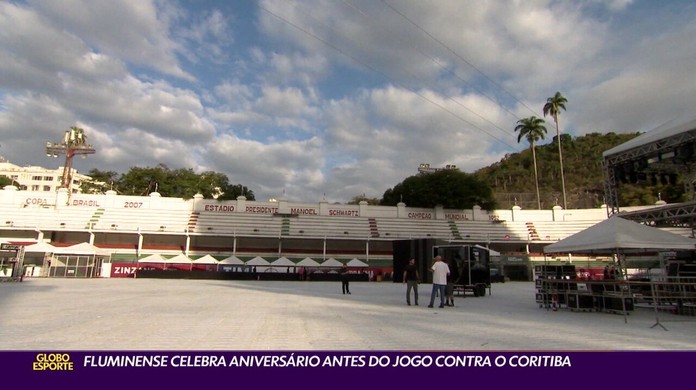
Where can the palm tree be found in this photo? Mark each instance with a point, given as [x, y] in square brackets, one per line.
[532, 129]
[553, 107]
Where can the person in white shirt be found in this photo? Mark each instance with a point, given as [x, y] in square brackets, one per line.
[440, 271]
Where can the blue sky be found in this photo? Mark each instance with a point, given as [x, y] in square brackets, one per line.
[331, 99]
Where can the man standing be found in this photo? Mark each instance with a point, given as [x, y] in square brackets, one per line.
[411, 278]
[440, 271]
[344, 279]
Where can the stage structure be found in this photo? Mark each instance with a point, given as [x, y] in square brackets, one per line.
[663, 154]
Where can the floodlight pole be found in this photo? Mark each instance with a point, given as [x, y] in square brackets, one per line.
[74, 143]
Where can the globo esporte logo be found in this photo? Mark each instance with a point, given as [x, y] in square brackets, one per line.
[53, 362]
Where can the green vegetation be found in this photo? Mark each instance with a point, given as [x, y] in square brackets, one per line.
[512, 179]
[553, 107]
[180, 183]
[5, 181]
[449, 188]
[533, 130]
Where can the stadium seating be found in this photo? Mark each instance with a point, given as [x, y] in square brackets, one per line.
[238, 224]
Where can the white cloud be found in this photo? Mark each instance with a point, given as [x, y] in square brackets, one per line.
[131, 30]
[349, 101]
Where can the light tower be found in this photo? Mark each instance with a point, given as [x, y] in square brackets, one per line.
[74, 143]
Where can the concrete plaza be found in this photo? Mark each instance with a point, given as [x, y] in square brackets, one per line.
[156, 314]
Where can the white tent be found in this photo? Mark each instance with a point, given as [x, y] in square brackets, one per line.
[83, 248]
[331, 262]
[357, 263]
[207, 259]
[155, 258]
[204, 261]
[40, 247]
[232, 260]
[283, 262]
[159, 259]
[620, 235]
[179, 259]
[259, 263]
[258, 260]
[307, 262]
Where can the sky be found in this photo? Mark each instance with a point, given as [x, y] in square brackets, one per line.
[331, 99]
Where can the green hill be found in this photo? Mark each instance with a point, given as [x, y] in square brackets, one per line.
[512, 179]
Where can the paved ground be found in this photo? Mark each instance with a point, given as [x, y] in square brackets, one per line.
[152, 314]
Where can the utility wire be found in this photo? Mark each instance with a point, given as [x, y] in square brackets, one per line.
[358, 61]
[441, 66]
[459, 56]
[444, 68]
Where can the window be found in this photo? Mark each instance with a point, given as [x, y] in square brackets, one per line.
[48, 178]
[47, 188]
[37, 178]
[35, 187]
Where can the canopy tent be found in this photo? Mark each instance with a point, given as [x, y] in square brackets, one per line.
[204, 262]
[232, 260]
[83, 248]
[159, 259]
[207, 259]
[283, 262]
[155, 258]
[331, 262]
[620, 235]
[258, 260]
[357, 263]
[179, 259]
[308, 262]
[40, 247]
[259, 263]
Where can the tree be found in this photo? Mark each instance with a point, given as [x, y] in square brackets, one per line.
[5, 181]
[532, 129]
[232, 191]
[449, 188]
[142, 181]
[553, 107]
[509, 177]
[101, 182]
[178, 183]
[362, 197]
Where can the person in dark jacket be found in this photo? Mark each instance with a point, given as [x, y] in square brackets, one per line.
[345, 285]
[411, 278]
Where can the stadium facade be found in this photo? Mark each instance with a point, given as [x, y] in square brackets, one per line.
[130, 228]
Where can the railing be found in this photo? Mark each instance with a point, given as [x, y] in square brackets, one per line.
[668, 297]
